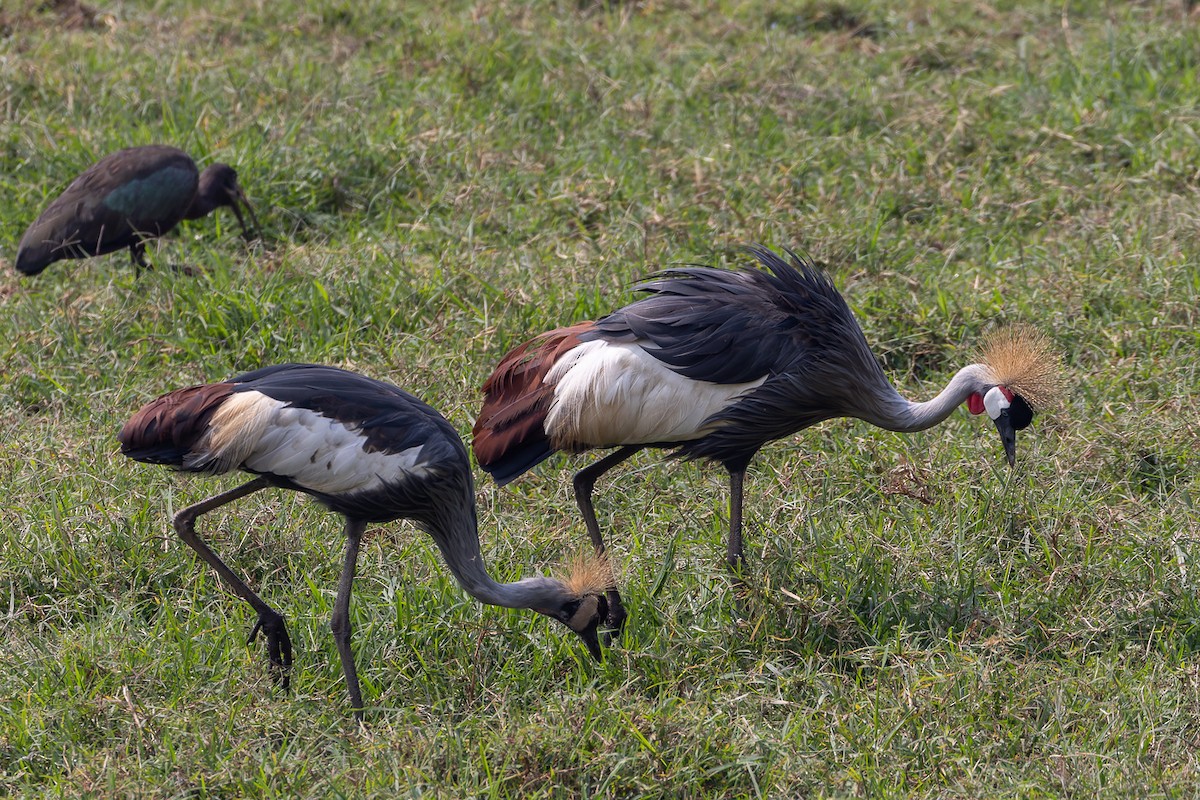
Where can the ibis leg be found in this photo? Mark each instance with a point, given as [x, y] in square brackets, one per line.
[270, 622]
[341, 614]
[585, 483]
[137, 255]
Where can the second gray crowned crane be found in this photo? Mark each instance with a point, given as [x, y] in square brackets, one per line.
[366, 450]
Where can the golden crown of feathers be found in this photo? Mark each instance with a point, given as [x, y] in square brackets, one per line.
[1025, 360]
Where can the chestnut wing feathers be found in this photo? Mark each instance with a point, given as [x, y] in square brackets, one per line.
[509, 437]
[166, 430]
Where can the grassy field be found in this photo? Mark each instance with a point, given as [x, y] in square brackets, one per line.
[438, 182]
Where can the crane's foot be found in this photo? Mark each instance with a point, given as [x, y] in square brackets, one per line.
[279, 645]
[736, 563]
[743, 597]
[615, 621]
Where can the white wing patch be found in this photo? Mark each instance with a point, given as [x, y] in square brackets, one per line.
[607, 394]
[263, 434]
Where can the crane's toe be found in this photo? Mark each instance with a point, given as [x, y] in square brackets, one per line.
[279, 645]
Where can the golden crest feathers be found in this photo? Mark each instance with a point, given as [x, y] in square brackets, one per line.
[1025, 360]
[589, 573]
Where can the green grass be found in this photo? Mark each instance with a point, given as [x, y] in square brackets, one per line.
[440, 181]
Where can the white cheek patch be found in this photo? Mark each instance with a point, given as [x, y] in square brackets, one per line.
[996, 401]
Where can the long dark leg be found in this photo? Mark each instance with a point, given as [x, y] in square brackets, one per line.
[733, 553]
[585, 482]
[734, 557]
[270, 622]
[341, 614]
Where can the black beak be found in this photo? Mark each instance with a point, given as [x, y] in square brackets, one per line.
[593, 642]
[1008, 436]
[584, 617]
[236, 197]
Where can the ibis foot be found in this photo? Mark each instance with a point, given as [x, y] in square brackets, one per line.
[185, 269]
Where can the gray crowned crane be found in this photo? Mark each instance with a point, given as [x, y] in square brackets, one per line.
[714, 364]
[125, 198]
[366, 450]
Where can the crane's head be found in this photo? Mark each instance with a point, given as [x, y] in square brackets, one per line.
[219, 187]
[1024, 374]
[583, 606]
[1008, 410]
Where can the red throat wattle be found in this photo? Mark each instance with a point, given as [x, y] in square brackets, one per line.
[975, 403]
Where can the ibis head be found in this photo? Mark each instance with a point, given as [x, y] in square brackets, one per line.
[219, 187]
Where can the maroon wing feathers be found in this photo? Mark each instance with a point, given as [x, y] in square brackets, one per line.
[166, 430]
[508, 437]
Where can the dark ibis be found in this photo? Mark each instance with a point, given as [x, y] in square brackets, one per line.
[715, 363]
[123, 200]
[366, 450]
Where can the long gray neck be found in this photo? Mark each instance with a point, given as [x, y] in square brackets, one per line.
[455, 530]
[895, 413]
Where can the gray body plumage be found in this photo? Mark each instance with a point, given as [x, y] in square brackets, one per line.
[388, 419]
[727, 327]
